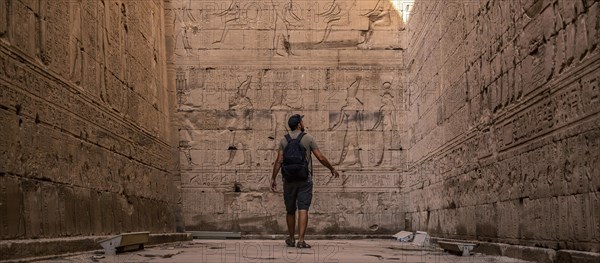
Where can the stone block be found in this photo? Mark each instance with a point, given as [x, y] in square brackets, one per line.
[594, 210]
[565, 226]
[560, 58]
[11, 207]
[549, 21]
[95, 212]
[553, 219]
[32, 209]
[570, 43]
[83, 209]
[537, 68]
[4, 22]
[56, 46]
[593, 26]
[495, 249]
[9, 161]
[421, 238]
[568, 256]
[580, 6]
[37, 248]
[41, 249]
[89, 34]
[508, 218]
[22, 25]
[584, 226]
[107, 219]
[531, 226]
[567, 10]
[581, 42]
[68, 211]
[133, 214]
[115, 92]
[51, 221]
[485, 226]
[531, 253]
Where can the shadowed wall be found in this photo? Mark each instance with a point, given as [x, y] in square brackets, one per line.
[86, 145]
[504, 138]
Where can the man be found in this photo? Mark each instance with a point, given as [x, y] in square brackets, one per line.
[297, 195]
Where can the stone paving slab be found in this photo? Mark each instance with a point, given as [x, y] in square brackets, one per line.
[275, 251]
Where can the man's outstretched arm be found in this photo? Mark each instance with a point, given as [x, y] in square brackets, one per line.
[276, 167]
[325, 162]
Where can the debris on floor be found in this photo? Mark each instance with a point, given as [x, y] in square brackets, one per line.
[421, 239]
[404, 236]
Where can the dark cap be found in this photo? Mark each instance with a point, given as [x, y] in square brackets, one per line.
[294, 120]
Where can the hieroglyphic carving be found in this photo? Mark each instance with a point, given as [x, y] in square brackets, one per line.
[181, 24]
[531, 124]
[157, 45]
[240, 112]
[568, 104]
[336, 15]
[250, 178]
[230, 16]
[351, 117]
[379, 15]
[75, 45]
[5, 20]
[103, 18]
[289, 25]
[99, 153]
[280, 112]
[181, 87]
[285, 20]
[234, 126]
[388, 124]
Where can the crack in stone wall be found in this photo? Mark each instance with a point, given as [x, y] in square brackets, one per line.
[504, 129]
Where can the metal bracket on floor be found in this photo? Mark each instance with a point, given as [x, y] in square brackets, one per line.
[463, 249]
[124, 242]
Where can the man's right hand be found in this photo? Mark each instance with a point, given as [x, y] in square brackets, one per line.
[335, 173]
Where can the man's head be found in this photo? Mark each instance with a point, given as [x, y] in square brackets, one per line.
[295, 122]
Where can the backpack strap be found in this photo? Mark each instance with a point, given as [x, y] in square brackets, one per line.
[299, 138]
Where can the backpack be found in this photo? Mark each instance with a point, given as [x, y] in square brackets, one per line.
[295, 164]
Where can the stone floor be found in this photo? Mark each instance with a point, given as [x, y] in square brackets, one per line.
[276, 251]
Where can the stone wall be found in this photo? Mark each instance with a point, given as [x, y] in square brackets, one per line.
[243, 67]
[504, 137]
[86, 147]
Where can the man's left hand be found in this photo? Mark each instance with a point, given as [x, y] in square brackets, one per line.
[273, 185]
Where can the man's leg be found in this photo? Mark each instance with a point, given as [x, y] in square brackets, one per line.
[291, 225]
[290, 192]
[304, 200]
[302, 223]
